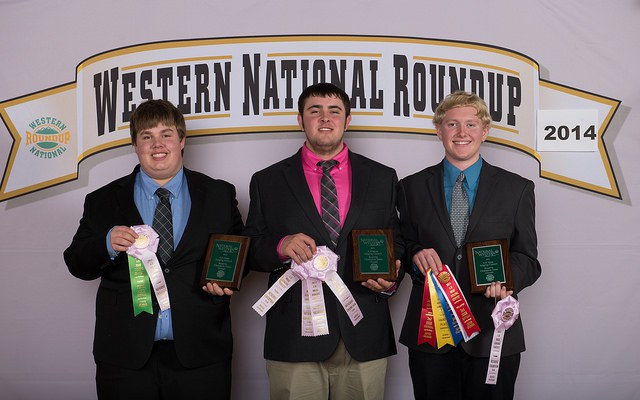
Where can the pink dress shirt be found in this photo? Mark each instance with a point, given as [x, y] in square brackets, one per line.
[341, 174]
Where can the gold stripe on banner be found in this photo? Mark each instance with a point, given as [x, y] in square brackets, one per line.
[176, 61]
[462, 62]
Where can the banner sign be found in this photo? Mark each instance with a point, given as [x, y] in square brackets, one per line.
[251, 84]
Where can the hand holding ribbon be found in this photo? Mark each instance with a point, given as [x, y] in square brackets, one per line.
[322, 267]
[144, 249]
[121, 238]
[427, 259]
[504, 315]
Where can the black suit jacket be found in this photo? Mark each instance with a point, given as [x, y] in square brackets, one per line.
[201, 322]
[504, 208]
[281, 204]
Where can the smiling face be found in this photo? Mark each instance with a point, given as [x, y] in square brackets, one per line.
[324, 122]
[462, 132]
[159, 150]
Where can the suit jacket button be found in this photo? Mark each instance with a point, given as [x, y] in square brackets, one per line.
[167, 270]
[459, 257]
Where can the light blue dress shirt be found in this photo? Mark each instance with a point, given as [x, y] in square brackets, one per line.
[146, 200]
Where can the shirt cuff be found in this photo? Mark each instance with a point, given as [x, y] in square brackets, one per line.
[392, 290]
[112, 253]
[282, 257]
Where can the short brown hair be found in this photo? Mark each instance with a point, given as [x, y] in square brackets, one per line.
[462, 99]
[153, 112]
[324, 90]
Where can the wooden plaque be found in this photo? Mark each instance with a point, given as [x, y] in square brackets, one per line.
[225, 260]
[373, 256]
[489, 262]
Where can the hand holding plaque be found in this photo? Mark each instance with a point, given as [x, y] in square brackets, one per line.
[489, 262]
[225, 260]
[373, 255]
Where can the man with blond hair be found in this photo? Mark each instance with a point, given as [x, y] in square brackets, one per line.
[494, 204]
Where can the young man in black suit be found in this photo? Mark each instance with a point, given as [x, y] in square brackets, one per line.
[501, 205]
[183, 351]
[285, 223]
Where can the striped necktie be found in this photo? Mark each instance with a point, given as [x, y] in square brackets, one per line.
[163, 225]
[329, 201]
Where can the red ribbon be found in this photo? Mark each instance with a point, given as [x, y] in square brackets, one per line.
[458, 303]
[427, 329]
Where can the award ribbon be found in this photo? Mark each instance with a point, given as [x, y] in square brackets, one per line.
[427, 329]
[140, 292]
[443, 334]
[144, 249]
[446, 282]
[504, 315]
[454, 328]
[314, 315]
[438, 325]
[322, 267]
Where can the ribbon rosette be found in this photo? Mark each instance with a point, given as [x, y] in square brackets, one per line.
[144, 249]
[504, 315]
[321, 268]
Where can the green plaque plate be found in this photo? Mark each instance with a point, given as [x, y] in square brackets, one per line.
[373, 256]
[489, 262]
[225, 260]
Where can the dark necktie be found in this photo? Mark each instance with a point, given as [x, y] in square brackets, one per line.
[459, 210]
[163, 225]
[329, 201]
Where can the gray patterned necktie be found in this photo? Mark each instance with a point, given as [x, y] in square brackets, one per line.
[329, 201]
[163, 225]
[459, 210]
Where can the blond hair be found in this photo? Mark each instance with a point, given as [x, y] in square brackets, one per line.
[462, 99]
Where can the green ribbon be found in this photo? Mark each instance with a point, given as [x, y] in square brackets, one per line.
[140, 292]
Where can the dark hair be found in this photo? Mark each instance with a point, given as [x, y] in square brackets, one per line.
[153, 112]
[324, 90]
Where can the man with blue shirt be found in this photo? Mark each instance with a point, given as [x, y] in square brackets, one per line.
[181, 350]
[496, 204]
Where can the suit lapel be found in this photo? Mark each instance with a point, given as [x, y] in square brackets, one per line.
[483, 195]
[197, 203]
[435, 189]
[294, 176]
[360, 176]
[125, 200]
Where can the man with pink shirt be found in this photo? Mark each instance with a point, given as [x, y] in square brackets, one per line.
[286, 224]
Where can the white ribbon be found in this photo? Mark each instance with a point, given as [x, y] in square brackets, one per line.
[321, 268]
[504, 315]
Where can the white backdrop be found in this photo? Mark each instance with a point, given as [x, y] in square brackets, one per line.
[580, 318]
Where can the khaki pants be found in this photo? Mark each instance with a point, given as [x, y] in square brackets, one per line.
[338, 378]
